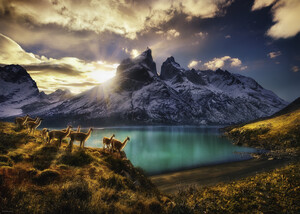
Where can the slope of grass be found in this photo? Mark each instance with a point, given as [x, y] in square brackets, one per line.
[277, 133]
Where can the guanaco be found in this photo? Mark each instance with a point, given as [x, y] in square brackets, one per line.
[107, 141]
[81, 137]
[118, 145]
[32, 125]
[59, 134]
[44, 134]
[20, 121]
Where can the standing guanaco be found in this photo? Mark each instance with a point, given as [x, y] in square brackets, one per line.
[107, 141]
[118, 145]
[32, 125]
[20, 121]
[81, 137]
[59, 134]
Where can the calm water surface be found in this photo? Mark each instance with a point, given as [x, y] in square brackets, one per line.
[159, 149]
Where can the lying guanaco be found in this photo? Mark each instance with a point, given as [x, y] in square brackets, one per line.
[32, 125]
[20, 121]
[107, 141]
[118, 145]
[44, 134]
[81, 137]
[59, 134]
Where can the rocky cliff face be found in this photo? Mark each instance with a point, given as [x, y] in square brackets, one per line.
[138, 95]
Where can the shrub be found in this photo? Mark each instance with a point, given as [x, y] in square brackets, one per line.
[5, 161]
[16, 157]
[77, 158]
[43, 158]
[46, 177]
[115, 182]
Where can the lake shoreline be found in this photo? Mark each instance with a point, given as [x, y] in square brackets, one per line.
[211, 175]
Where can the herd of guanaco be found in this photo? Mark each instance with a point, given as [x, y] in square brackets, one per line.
[31, 124]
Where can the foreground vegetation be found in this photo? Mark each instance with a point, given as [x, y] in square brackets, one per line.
[273, 192]
[40, 178]
[36, 177]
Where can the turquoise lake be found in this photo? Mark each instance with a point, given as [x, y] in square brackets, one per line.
[160, 149]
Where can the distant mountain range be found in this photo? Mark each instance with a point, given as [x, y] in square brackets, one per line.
[138, 95]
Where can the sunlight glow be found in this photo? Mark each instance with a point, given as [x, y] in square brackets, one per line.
[102, 76]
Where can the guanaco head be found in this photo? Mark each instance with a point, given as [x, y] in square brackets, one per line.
[128, 138]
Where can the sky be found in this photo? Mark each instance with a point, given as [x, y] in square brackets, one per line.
[77, 44]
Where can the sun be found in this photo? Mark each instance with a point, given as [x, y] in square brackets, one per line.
[102, 76]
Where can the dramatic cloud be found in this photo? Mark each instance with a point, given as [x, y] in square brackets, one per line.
[170, 34]
[126, 18]
[258, 4]
[225, 61]
[285, 15]
[274, 54]
[194, 63]
[227, 37]
[50, 72]
[295, 69]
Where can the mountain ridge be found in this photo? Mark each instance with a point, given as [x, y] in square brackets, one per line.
[138, 95]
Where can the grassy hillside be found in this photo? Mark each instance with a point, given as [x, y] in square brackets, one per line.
[40, 178]
[277, 133]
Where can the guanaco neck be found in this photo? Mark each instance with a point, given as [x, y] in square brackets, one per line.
[89, 132]
[111, 137]
[39, 123]
[68, 130]
[26, 118]
[124, 143]
[78, 129]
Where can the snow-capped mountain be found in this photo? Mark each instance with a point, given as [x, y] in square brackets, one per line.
[138, 95]
[18, 90]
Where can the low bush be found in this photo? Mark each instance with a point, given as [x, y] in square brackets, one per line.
[76, 158]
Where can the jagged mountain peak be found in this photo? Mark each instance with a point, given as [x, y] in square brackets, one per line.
[133, 73]
[170, 69]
